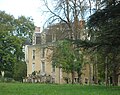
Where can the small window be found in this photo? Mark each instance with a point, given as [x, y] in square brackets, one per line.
[43, 53]
[33, 55]
[33, 67]
[43, 66]
[38, 40]
[53, 68]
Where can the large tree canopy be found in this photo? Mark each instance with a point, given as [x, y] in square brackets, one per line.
[104, 39]
[105, 34]
[106, 24]
[13, 33]
[101, 34]
[68, 58]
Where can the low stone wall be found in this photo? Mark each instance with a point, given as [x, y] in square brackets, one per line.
[39, 79]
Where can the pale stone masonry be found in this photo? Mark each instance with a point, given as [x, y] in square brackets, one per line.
[38, 57]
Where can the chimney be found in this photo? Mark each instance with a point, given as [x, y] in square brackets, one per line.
[37, 29]
[82, 23]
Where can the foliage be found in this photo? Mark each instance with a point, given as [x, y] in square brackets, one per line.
[63, 55]
[104, 31]
[21, 72]
[13, 33]
[102, 36]
[104, 39]
[68, 58]
[24, 27]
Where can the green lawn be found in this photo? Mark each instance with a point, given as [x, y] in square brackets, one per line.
[49, 89]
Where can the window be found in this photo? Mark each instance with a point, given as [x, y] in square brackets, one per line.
[33, 67]
[33, 55]
[43, 52]
[38, 40]
[43, 66]
[48, 38]
[53, 68]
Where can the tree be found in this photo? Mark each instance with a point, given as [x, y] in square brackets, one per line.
[70, 60]
[24, 28]
[62, 57]
[72, 14]
[104, 24]
[104, 38]
[79, 62]
[69, 12]
[21, 72]
[13, 33]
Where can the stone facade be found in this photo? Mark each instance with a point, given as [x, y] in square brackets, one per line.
[38, 57]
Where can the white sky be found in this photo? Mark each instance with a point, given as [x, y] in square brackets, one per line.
[28, 8]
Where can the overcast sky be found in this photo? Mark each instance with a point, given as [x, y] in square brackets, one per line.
[28, 8]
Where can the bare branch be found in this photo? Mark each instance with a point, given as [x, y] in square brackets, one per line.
[54, 13]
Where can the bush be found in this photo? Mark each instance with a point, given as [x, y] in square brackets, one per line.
[8, 74]
[7, 80]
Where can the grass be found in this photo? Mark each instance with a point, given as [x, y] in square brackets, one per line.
[50, 89]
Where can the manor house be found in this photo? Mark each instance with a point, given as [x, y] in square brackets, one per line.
[38, 57]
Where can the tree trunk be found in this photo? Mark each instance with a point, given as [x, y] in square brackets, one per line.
[67, 78]
[2, 73]
[59, 75]
[115, 78]
[106, 77]
[73, 76]
[90, 74]
[79, 77]
[106, 72]
[95, 74]
[95, 71]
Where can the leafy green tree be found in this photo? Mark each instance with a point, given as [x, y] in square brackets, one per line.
[79, 62]
[63, 57]
[21, 72]
[67, 58]
[13, 33]
[24, 27]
